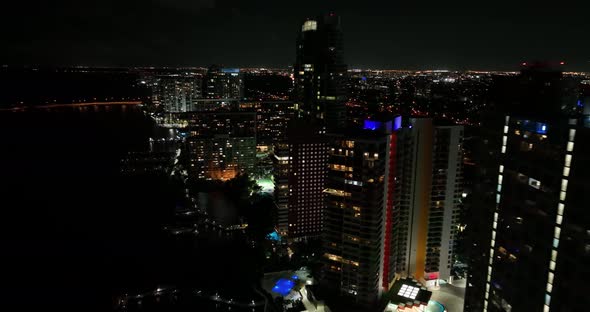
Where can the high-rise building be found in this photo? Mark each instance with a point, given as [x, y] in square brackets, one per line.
[357, 217]
[300, 174]
[177, 93]
[426, 199]
[272, 118]
[224, 83]
[319, 71]
[301, 157]
[221, 144]
[393, 201]
[538, 244]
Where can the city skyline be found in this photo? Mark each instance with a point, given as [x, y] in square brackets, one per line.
[459, 36]
[174, 172]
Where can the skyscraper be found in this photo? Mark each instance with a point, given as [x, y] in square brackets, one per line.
[224, 83]
[300, 174]
[301, 158]
[427, 199]
[319, 71]
[177, 93]
[355, 215]
[221, 144]
[540, 228]
[392, 207]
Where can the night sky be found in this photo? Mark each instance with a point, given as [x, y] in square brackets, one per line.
[409, 34]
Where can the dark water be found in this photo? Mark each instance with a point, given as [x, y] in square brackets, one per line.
[73, 229]
[75, 232]
[41, 86]
[220, 207]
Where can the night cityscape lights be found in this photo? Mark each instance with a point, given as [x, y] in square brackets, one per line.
[295, 169]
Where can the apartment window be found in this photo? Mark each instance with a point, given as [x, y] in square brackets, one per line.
[560, 208]
[534, 183]
[564, 185]
[568, 160]
[572, 134]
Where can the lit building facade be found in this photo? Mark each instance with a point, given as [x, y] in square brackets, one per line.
[220, 144]
[357, 217]
[221, 157]
[272, 118]
[300, 175]
[393, 201]
[224, 83]
[427, 199]
[177, 93]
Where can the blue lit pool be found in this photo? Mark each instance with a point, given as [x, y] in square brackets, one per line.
[435, 306]
[283, 286]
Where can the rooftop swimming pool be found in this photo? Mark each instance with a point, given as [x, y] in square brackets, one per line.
[283, 286]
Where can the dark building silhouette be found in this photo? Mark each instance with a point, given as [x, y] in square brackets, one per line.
[539, 227]
[320, 71]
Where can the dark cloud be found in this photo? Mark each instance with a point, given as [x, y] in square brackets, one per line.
[394, 34]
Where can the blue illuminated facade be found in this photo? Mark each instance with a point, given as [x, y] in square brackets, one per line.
[533, 126]
[372, 125]
[230, 70]
[388, 126]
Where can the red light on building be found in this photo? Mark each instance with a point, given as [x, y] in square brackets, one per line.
[523, 64]
[562, 63]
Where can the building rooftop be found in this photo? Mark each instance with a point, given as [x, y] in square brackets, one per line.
[409, 292]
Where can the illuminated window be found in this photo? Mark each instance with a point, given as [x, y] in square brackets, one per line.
[560, 208]
[570, 146]
[309, 25]
[568, 160]
[534, 183]
[572, 134]
[564, 185]
[566, 171]
[525, 146]
[552, 265]
[501, 168]
[562, 195]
